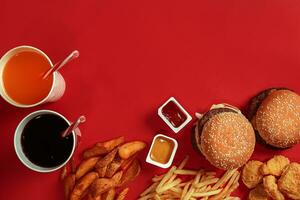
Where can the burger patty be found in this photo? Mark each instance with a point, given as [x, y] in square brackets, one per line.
[201, 122]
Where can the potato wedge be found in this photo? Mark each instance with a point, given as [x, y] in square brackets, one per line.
[101, 185]
[123, 194]
[113, 167]
[94, 151]
[110, 195]
[101, 171]
[129, 149]
[64, 173]
[90, 197]
[131, 173]
[111, 144]
[86, 166]
[69, 183]
[117, 177]
[102, 148]
[126, 163]
[82, 185]
[106, 160]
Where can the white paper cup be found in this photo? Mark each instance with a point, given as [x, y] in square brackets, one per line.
[18, 146]
[58, 84]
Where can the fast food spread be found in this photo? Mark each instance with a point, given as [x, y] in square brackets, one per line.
[223, 135]
[106, 168]
[275, 179]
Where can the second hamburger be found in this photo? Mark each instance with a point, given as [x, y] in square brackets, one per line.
[224, 136]
[275, 115]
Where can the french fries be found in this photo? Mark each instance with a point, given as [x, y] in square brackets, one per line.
[197, 184]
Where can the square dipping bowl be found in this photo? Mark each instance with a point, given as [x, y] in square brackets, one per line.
[156, 150]
[174, 115]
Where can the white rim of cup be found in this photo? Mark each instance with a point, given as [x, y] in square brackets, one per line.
[18, 148]
[3, 93]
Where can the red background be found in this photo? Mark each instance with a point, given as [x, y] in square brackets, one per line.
[134, 56]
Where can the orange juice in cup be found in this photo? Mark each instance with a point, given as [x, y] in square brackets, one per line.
[21, 78]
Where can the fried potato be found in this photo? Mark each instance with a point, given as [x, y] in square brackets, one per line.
[82, 185]
[132, 172]
[117, 177]
[113, 167]
[69, 183]
[258, 193]
[86, 166]
[90, 197]
[289, 182]
[271, 188]
[274, 166]
[101, 171]
[123, 194]
[110, 195]
[126, 163]
[129, 149]
[106, 160]
[251, 175]
[64, 173]
[103, 148]
[101, 185]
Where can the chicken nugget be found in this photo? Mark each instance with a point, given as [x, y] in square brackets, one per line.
[275, 165]
[289, 182]
[271, 188]
[258, 193]
[251, 175]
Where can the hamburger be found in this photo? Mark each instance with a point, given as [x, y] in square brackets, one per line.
[275, 116]
[224, 136]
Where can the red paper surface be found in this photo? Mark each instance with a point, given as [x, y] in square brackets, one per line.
[134, 56]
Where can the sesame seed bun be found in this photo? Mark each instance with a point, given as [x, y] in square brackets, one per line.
[225, 137]
[277, 119]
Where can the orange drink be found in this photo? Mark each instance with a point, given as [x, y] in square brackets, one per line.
[23, 77]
